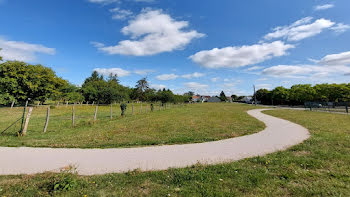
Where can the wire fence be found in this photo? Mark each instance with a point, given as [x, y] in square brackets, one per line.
[337, 107]
[64, 115]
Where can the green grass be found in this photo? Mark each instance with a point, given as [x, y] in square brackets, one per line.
[318, 167]
[177, 125]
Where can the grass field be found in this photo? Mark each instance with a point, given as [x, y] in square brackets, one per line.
[175, 125]
[318, 167]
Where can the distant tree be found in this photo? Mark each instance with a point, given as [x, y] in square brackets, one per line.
[189, 93]
[234, 97]
[222, 96]
[141, 87]
[0, 56]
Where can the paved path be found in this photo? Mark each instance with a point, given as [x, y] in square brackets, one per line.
[278, 135]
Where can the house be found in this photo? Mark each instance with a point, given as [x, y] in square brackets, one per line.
[214, 99]
[247, 99]
[196, 98]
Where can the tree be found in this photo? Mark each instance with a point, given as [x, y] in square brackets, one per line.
[222, 96]
[234, 97]
[280, 96]
[141, 87]
[299, 94]
[189, 93]
[264, 96]
[22, 81]
[97, 89]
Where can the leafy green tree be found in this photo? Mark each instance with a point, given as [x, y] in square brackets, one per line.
[222, 96]
[141, 87]
[299, 94]
[280, 96]
[234, 97]
[264, 96]
[22, 81]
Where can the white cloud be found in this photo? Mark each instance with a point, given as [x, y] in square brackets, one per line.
[253, 68]
[196, 87]
[233, 57]
[166, 77]
[263, 86]
[114, 71]
[336, 59]
[153, 32]
[323, 7]
[300, 29]
[144, 72]
[304, 71]
[157, 86]
[193, 75]
[340, 28]
[120, 14]
[22, 51]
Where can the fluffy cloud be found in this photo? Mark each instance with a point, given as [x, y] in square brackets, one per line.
[120, 14]
[166, 77]
[336, 59]
[330, 65]
[233, 57]
[114, 71]
[214, 79]
[152, 32]
[300, 29]
[323, 7]
[303, 71]
[196, 87]
[340, 28]
[253, 68]
[144, 72]
[193, 75]
[22, 51]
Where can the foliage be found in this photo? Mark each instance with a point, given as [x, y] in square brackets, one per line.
[22, 81]
[299, 94]
[222, 96]
[97, 89]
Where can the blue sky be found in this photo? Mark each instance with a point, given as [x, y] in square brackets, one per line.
[203, 46]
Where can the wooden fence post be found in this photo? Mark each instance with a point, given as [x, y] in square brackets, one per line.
[111, 111]
[12, 104]
[24, 132]
[95, 116]
[73, 115]
[47, 119]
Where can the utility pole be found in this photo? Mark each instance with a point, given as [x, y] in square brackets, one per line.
[254, 95]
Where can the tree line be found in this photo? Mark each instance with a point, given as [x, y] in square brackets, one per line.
[20, 81]
[299, 94]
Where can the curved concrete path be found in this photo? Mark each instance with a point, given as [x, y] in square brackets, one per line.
[278, 135]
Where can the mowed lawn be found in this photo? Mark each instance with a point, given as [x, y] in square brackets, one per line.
[318, 167]
[175, 125]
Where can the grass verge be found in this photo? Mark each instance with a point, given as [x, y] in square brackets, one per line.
[177, 125]
[318, 167]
